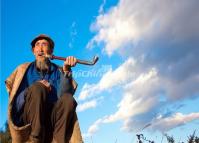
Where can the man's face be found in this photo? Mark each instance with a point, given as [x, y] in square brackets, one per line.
[40, 49]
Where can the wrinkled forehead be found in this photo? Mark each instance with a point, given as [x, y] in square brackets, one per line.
[41, 41]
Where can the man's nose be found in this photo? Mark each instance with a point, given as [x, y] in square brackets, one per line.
[40, 49]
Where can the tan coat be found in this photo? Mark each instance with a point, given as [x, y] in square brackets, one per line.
[21, 134]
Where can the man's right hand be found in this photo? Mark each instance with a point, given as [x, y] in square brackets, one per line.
[69, 62]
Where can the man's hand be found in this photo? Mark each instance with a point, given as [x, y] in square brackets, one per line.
[46, 83]
[69, 62]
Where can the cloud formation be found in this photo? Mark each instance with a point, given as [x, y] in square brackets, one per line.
[87, 105]
[115, 78]
[161, 123]
[134, 97]
[137, 22]
[177, 119]
[161, 41]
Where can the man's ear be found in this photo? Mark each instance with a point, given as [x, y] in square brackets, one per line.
[32, 49]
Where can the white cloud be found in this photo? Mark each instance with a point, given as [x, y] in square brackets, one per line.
[142, 95]
[110, 79]
[178, 119]
[94, 128]
[132, 21]
[133, 100]
[73, 34]
[177, 90]
[134, 97]
[87, 105]
[101, 9]
[160, 123]
[165, 34]
[163, 39]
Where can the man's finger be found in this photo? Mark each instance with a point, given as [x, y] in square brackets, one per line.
[70, 61]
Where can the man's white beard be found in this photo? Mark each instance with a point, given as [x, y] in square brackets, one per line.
[43, 65]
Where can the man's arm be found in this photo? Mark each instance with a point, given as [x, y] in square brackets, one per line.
[67, 84]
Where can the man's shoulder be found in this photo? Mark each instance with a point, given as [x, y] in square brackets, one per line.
[24, 65]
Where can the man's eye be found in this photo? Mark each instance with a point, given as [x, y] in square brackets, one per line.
[37, 44]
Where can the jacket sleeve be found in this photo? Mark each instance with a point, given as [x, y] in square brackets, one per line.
[9, 81]
[67, 83]
[74, 83]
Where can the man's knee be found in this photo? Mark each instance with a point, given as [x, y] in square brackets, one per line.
[68, 101]
[38, 91]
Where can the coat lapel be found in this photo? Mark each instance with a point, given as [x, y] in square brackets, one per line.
[19, 76]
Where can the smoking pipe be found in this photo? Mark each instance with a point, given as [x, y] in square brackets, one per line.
[84, 62]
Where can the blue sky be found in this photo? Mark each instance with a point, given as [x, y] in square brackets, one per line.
[148, 72]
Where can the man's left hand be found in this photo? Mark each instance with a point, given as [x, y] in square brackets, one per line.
[46, 83]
